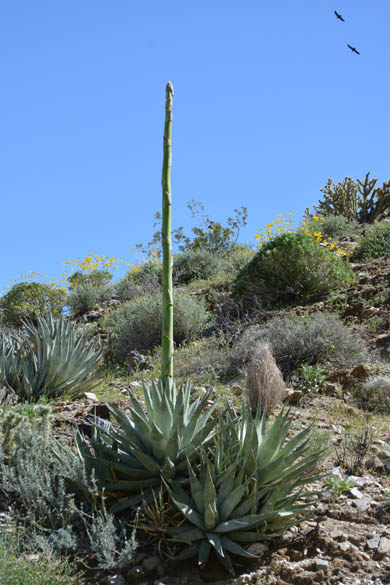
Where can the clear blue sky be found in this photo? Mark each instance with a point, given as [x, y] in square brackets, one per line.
[269, 103]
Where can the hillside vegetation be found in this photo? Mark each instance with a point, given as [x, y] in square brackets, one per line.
[107, 476]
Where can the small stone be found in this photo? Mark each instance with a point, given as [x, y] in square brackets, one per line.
[321, 564]
[336, 534]
[344, 546]
[373, 543]
[116, 580]
[257, 549]
[336, 471]
[362, 503]
[355, 493]
[384, 546]
[90, 396]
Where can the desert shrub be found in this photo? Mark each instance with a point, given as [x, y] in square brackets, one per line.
[309, 339]
[26, 300]
[196, 265]
[375, 393]
[375, 242]
[137, 324]
[205, 361]
[147, 268]
[48, 490]
[333, 226]
[86, 296]
[93, 277]
[291, 268]
[264, 381]
[129, 287]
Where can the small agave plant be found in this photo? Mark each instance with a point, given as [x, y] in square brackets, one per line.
[132, 457]
[246, 490]
[48, 360]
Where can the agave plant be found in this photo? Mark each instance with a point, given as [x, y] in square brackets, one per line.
[130, 458]
[247, 490]
[50, 359]
[267, 452]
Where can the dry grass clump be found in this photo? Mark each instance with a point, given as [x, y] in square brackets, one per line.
[264, 380]
[375, 394]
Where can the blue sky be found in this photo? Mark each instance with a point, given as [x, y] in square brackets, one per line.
[269, 103]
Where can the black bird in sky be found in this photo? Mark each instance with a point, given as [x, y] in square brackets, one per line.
[339, 16]
[353, 50]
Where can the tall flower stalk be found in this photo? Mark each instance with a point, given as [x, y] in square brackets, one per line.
[167, 325]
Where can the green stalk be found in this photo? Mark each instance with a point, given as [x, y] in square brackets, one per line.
[167, 325]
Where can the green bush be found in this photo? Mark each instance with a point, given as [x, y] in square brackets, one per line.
[85, 297]
[375, 242]
[27, 299]
[290, 269]
[132, 286]
[311, 339]
[95, 278]
[196, 265]
[333, 226]
[137, 324]
[147, 268]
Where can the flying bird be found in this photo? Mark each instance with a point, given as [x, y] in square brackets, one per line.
[353, 50]
[339, 16]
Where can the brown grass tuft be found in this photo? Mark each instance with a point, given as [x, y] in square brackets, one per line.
[264, 379]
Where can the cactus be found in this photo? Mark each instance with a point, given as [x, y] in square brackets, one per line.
[359, 201]
[340, 199]
[374, 202]
[167, 327]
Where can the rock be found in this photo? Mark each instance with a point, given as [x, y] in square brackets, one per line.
[321, 564]
[362, 503]
[151, 564]
[115, 580]
[384, 546]
[373, 543]
[258, 548]
[136, 361]
[344, 546]
[90, 396]
[293, 396]
[355, 493]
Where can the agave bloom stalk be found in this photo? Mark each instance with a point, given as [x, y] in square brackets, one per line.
[167, 325]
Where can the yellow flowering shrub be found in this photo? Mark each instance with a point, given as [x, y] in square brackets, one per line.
[311, 228]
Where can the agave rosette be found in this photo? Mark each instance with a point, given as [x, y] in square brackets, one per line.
[130, 458]
[50, 359]
[247, 490]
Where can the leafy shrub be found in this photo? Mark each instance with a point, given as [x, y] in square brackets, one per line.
[292, 268]
[26, 300]
[132, 285]
[375, 242]
[375, 393]
[137, 325]
[333, 226]
[93, 277]
[50, 359]
[195, 265]
[309, 339]
[85, 297]
[311, 378]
